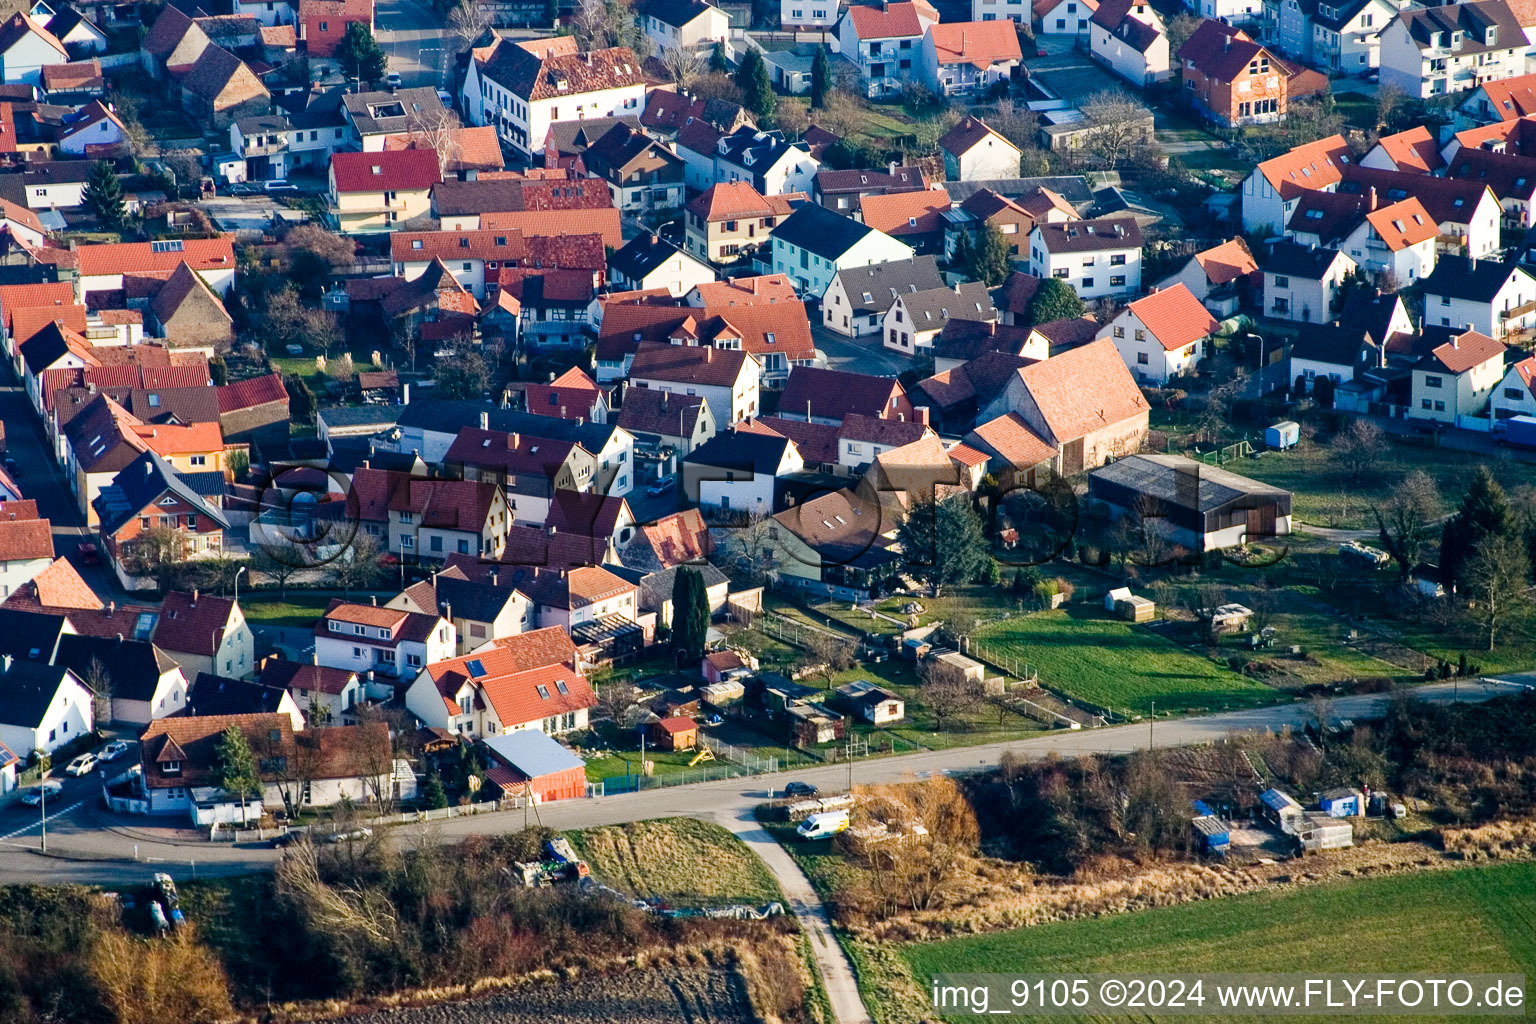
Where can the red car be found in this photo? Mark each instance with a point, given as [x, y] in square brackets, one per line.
[88, 553]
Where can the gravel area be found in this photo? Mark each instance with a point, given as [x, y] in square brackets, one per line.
[661, 996]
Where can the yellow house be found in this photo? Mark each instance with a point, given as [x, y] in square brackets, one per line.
[190, 448]
[732, 220]
[372, 192]
[1457, 378]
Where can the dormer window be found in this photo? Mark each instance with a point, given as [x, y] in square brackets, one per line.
[1490, 35]
[170, 767]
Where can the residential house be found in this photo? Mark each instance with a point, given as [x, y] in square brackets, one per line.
[204, 633]
[1014, 454]
[643, 175]
[838, 545]
[664, 420]
[808, 15]
[528, 469]
[322, 24]
[98, 131]
[1498, 100]
[1516, 393]
[857, 299]
[1271, 191]
[80, 36]
[26, 47]
[649, 262]
[433, 518]
[211, 694]
[1341, 352]
[431, 428]
[1199, 508]
[687, 25]
[871, 703]
[1083, 402]
[820, 395]
[483, 599]
[1128, 36]
[732, 220]
[1396, 241]
[1413, 150]
[1467, 210]
[254, 410]
[666, 113]
[580, 596]
[656, 589]
[26, 545]
[727, 379]
[566, 145]
[189, 314]
[1509, 176]
[884, 42]
[964, 340]
[149, 495]
[1230, 79]
[957, 395]
[572, 395]
[1162, 335]
[523, 87]
[1052, 17]
[488, 259]
[460, 205]
[1457, 378]
[974, 152]
[368, 639]
[1249, 13]
[812, 244]
[1340, 37]
[105, 267]
[529, 681]
[861, 440]
[1301, 282]
[671, 540]
[76, 83]
[916, 318]
[1486, 296]
[1097, 258]
[737, 470]
[220, 88]
[42, 707]
[985, 210]
[374, 117]
[765, 160]
[776, 335]
[841, 190]
[1434, 51]
[915, 218]
[1223, 277]
[371, 192]
[970, 57]
[322, 693]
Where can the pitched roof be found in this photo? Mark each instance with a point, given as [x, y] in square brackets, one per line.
[466, 147]
[1174, 316]
[980, 380]
[652, 411]
[19, 25]
[193, 623]
[142, 481]
[186, 288]
[154, 258]
[602, 221]
[61, 586]
[820, 231]
[844, 526]
[906, 213]
[735, 200]
[888, 21]
[212, 694]
[979, 43]
[965, 135]
[23, 537]
[932, 308]
[1083, 389]
[896, 179]
[1473, 280]
[1508, 175]
[27, 690]
[1090, 235]
[745, 449]
[1227, 262]
[758, 329]
[1220, 51]
[676, 13]
[683, 364]
[1403, 224]
[531, 77]
[1412, 150]
[1011, 439]
[216, 68]
[643, 255]
[251, 392]
[833, 394]
[816, 442]
[745, 291]
[1315, 165]
[1512, 98]
[882, 282]
[482, 195]
[1293, 260]
[678, 538]
[397, 170]
[966, 339]
[1463, 352]
[1468, 21]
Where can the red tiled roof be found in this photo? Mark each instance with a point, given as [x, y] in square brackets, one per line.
[192, 623]
[678, 538]
[888, 22]
[834, 394]
[1315, 165]
[1413, 150]
[301, 675]
[1082, 390]
[680, 364]
[571, 395]
[1526, 369]
[747, 291]
[907, 213]
[1012, 439]
[143, 258]
[248, 394]
[1174, 316]
[472, 148]
[1466, 351]
[981, 43]
[1512, 97]
[400, 170]
[24, 538]
[1227, 262]
[58, 586]
[786, 322]
[548, 223]
[1403, 224]
[733, 200]
[26, 296]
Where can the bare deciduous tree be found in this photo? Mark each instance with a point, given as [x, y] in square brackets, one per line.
[1359, 447]
[1119, 124]
[437, 130]
[1406, 516]
[948, 696]
[99, 681]
[1497, 578]
[468, 22]
[683, 66]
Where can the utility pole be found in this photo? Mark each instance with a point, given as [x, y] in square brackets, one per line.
[1151, 720]
[42, 792]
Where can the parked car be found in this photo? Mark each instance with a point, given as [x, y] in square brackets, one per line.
[824, 825]
[280, 186]
[661, 486]
[800, 789]
[289, 838]
[82, 765]
[245, 188]
[361, 832]
[88, 552]
[392, 79]
[114, 750]
[34, 796]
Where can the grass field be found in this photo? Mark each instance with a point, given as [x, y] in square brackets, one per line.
[678, 860]
[1117, 665]
[298, 610]
[1470, 920]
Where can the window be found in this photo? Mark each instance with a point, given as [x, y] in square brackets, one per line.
[1061, 274]
[166, 768]
[407, 517]
[1117, 281]
[1433, 382]
[1439, 407]
[1141, 335]
[1282, 282]
[1141, 358]
[1117, 261]
[1087, 282]
[1119, 332]
[1514, 394]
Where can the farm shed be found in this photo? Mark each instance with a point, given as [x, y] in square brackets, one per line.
[952, 665]
[1230, 618]
[1281, 809]
[1342, 802]
[1198, 506]
[676, 733]
[528, 760]
[720, 694]
[869, 702]
[1325, 834]
[1213, 834]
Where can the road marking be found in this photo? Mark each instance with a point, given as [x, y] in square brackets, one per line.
[35, 824]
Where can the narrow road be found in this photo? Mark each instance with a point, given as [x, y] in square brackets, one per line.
[836, 970]
[418, 46]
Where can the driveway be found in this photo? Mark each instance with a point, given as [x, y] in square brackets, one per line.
[418, 45]
[861, 355]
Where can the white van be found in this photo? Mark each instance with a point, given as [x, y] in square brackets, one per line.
[823, 825]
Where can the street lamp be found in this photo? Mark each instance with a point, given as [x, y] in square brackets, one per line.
[42, 792]
[1151, 720]
[238, 573]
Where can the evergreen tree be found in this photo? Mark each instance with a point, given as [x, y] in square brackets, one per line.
[360, 55]
[235, 769]
[942, 542]
[690, 613]
[990, 261]
[301, 400]
[1484, 512]
[104, 195]
[821, 78]
[756, 90]
[964, 254]
[552, 12]
[1054, 300]
[717, 62]
[432, 794]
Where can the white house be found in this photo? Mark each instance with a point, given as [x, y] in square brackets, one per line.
[1486, 296]
[1516, 393]
[1412, 150]
[98, 125]
[1396, 240]
[737, 469]
[521, 88]
[1219, 276]
[808, 15]
[1340, 38]
[883, 42]
[812, 244]
[974, 152]
[968, 57]
[42, 707]
[690, 25]
[648, 262]
[1054, 17]
[573, 597]
[529, 681]
[766, 161]
[76, 32]
[333, 692]
[727, 379]
[1457, 378]
[26, 47]
[1228, 12]
[1270, 193]
[857, 300]
[1434, 51]
[1128, 37]
[1300, 281]
[393, 643]
[1162, 335]
[26, 545]
[1097, 258]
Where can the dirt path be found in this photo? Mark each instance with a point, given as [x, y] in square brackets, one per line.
[836, 970]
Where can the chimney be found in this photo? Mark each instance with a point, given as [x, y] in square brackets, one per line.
[448, 610]
[375, 600]
[315, 655]
[1370, 198]
[920, 415]
[517, 440]
[7, 662]
[485, 420]
[494, 574]
[709, 353]
[111, 608]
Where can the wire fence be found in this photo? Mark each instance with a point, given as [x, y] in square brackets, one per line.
[753, 762]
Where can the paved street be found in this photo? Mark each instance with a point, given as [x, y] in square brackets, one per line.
[864, 355]
[79, 833]
[418, 46]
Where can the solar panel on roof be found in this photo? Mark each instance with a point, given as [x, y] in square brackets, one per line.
[476, 667]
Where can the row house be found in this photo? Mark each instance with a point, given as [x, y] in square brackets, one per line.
[1466, 209]
[776, 335]
[1413, 151]
[521, 88]
[1435, 51]
[1341, 37]
[858, 298]
[529, 681]
[1396, 241]
[1511, 178]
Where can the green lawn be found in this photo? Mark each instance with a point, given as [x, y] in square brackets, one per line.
[1115, 664]
[1471, 920]
[298, 610]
